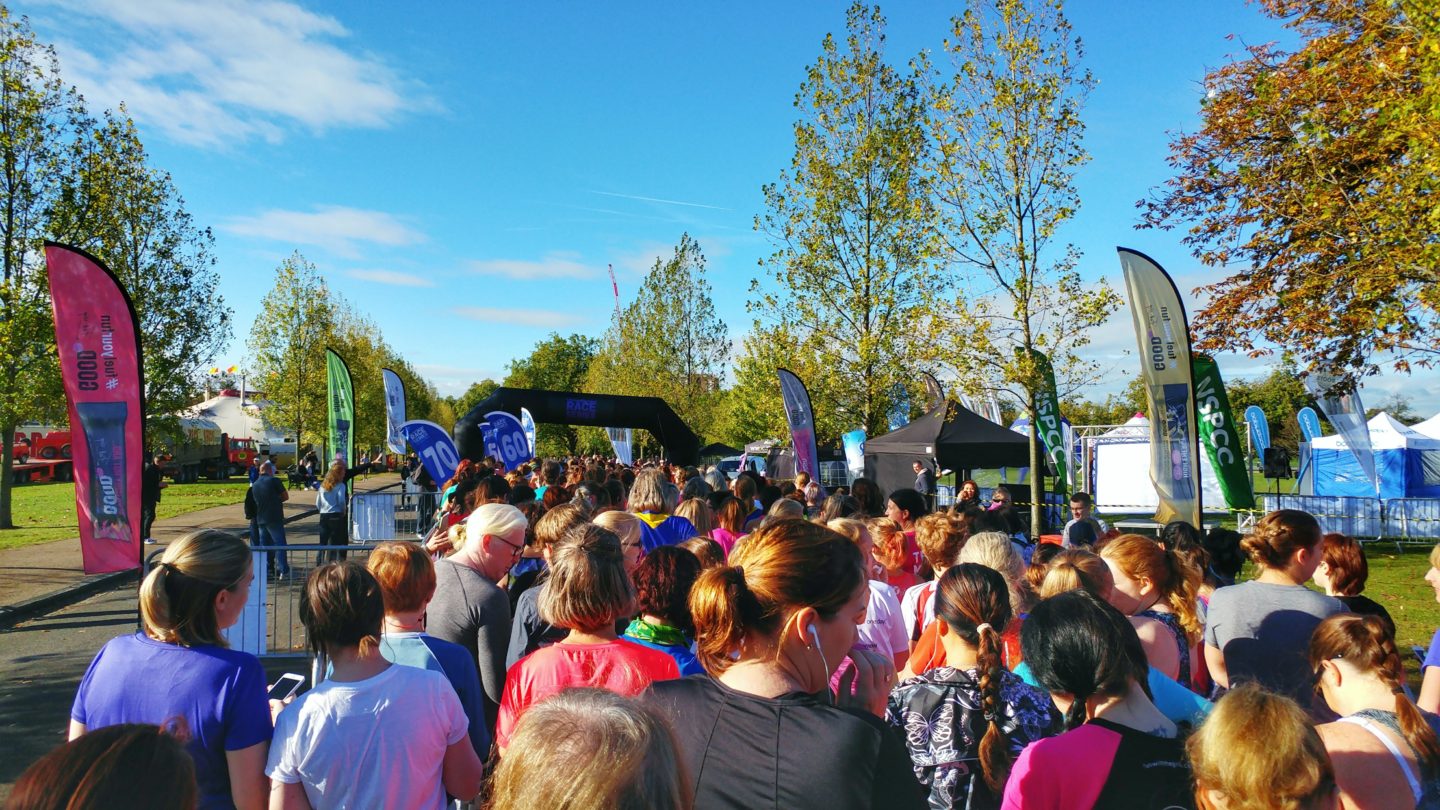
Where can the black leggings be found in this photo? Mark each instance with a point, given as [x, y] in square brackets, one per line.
[332, 533]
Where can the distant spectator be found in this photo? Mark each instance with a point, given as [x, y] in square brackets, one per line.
[1342, 573]
[1083, 529]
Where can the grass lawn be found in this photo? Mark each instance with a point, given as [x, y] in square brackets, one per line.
[45, 512]
[1397, 582]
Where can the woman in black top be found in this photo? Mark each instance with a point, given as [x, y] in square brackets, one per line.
[765, 732]
[1342, 573]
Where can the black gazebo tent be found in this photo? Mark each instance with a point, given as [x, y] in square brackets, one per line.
[955, 437]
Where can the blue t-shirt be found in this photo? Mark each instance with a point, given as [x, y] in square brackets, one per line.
[456, 664]
[1432, 655]
[1174, 701]
[219, 693]
[686, 660]
[671, 531]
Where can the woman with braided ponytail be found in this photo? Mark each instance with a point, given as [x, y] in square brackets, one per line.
[1156, 587]
[1119, 751]
[972, 716]
[1385, 750]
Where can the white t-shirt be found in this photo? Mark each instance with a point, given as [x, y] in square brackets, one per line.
[911, 603]
[379, 742]
[883, 629]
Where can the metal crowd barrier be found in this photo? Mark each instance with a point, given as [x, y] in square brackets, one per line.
[376, 516]
[1356, 517]
[1412, 518]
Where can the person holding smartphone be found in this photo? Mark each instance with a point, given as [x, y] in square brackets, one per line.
[182, 667]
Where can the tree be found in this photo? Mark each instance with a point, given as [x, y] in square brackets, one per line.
[1006, 134]
[288, 341]
[474, 395]
[129, 214]
[38, 117]
[1281, 395]
[854, 268]
[668, 342]
[361, 345]
[555, 364]
[1314, 175]
[1399, 407]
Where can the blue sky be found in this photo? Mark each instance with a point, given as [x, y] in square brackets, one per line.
[463, 172]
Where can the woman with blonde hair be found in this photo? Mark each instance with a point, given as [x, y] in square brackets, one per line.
[883, 630]
[330, 501]
[770, 629]
[994, 551]
[700, 515]
[1386, 751]
[416, 742]
[629, 529]
[1258, 630]
[177, 666]
[618, 754]
[587, 592]
[1258, 751]
[784, 509]
[1157, 588]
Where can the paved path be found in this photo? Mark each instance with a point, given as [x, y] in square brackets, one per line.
[43, 660]
[35, 571]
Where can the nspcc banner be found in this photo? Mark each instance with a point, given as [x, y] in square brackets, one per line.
[802, 423]
[1052, 434]
[341, 409]
[1163, 338]
[1220, 436]
[394, 410]
[95, 332]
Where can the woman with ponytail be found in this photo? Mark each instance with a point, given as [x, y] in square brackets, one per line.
[372, 734]
[1156, 587]
[1118, 749]
[972, 716]
[181, 668]
[1385, 750]
[764, 729]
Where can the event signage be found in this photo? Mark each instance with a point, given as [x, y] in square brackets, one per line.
[854, 443]
[1162, 336]
[621, 442]
[435, 448]
[1259, 429]
[509, 438]
[528, 422]
[487, 437]
[1309, 423]
[1347, 413]
[934, 394]
[1219, 435]
[99, 346]
[340, 408]
[394, 410]
[802, 423]
[1047, 418]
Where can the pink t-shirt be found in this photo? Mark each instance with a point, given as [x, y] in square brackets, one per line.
[620, 666]
[1062, 772]
[725, 538]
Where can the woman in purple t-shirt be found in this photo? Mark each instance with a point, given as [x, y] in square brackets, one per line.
[181, 671]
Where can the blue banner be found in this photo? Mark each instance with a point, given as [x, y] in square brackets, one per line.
[899, 415]
[528, 422]
[434, 446]
[1259, 429]
[1309, 423]
[854, 442]
[508, 435]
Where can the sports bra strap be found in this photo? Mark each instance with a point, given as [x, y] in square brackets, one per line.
[1370, 726]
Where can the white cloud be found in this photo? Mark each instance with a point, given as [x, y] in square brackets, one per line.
[391, 277]
[222, 72]
[551, 266]
[542, 318]
[336, 228]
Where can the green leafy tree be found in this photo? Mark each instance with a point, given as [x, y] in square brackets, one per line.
[555, 364]
[1006, 144]
[474, 395]
[360, 343]
[1314, 175]
[38, 118]
[1281, 395]
[129, 214]
[854, 274]
[287, 342]
[668, 342]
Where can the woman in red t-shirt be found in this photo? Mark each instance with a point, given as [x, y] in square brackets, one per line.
[587, 592]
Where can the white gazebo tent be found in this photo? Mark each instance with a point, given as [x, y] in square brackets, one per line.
[1120, 471]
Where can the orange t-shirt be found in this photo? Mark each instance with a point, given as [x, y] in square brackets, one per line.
[929, 653]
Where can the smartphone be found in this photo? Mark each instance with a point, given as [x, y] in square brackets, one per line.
[286, 686]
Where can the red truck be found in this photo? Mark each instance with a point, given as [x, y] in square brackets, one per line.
[193, 459]
[49, 445]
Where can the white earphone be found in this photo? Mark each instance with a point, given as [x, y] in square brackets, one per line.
[815, 637]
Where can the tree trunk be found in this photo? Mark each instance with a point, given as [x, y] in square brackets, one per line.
[1037, 471]
[7, 432]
